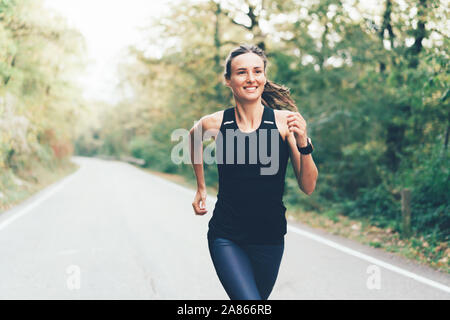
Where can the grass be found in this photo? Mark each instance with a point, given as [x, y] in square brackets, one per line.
[17, 187]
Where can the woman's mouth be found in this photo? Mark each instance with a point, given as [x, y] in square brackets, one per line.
[250, 88]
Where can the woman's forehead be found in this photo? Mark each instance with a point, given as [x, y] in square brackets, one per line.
[247, 60]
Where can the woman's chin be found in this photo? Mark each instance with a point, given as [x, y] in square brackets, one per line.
[249, 96]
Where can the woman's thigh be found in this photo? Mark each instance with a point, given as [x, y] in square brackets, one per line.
[234, 269]
[265, 261]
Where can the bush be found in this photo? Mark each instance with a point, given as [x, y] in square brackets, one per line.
[430, 184]
[377, 204]
[156, 155]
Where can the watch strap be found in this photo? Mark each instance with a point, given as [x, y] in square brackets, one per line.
[308, 149]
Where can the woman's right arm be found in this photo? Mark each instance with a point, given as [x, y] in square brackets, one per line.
[207, 122]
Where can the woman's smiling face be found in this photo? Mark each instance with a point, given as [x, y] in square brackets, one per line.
[248, 76]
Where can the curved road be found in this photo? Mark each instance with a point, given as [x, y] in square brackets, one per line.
[113, 231]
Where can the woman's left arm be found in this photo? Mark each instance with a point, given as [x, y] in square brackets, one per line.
[304, 167]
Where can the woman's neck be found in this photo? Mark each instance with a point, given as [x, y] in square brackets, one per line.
[249, 113]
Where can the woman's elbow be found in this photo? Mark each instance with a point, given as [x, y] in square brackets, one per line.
[308, 192]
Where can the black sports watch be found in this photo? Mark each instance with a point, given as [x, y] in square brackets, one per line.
[308, 149]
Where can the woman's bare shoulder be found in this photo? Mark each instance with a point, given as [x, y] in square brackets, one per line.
[213, 120]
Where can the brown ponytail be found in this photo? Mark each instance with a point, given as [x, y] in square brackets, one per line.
[274, 96]
[277, 97]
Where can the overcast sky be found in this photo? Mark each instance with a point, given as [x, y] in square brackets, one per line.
[108, 26]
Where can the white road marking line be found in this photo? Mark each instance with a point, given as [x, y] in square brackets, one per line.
[370, 259]
[38, 201]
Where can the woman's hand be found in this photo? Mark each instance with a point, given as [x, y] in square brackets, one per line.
[199, 203]
[297, 125]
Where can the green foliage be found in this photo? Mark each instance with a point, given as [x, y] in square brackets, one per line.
[38, 101]
[430, 184]
[88, 145]
[154, 154]
[377, 204]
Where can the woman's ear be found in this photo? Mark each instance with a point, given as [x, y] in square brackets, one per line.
[227, 83]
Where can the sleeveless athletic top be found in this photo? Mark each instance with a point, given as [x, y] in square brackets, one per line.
[249, 207]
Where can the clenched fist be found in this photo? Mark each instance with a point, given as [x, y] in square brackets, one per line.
[199, 203]
[297, 126]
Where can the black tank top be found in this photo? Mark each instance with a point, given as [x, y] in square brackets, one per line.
[249, 207]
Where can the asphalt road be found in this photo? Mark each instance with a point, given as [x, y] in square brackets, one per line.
[113, 231]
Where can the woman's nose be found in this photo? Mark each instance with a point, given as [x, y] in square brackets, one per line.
[250, 77]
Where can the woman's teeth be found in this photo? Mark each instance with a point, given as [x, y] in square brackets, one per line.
[250, 89]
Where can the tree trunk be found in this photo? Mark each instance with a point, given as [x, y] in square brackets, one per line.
[258, 36]
[217, 46]
[386, 26]
[419, 35]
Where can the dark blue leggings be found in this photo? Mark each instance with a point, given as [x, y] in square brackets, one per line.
[246, 271]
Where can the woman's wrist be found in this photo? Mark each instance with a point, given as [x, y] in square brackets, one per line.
[303, 143]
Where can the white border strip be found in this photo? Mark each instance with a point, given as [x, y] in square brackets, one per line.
[370, 259]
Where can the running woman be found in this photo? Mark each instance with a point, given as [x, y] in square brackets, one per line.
[254, 140]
